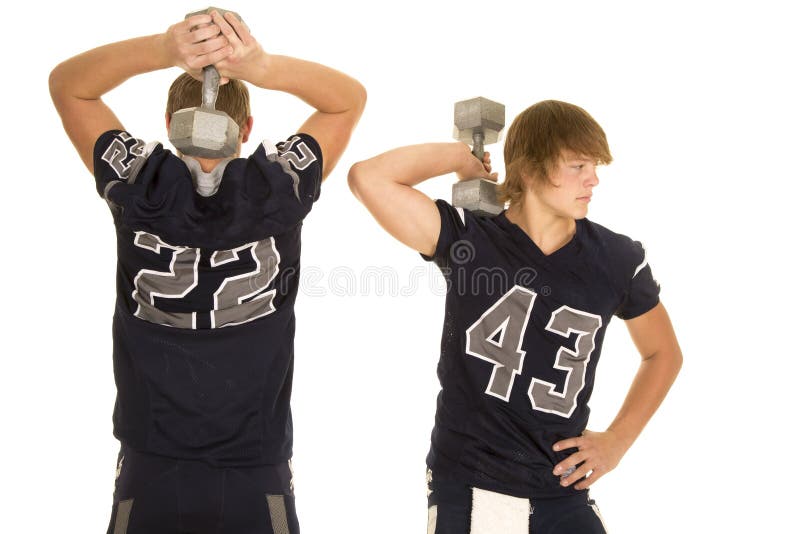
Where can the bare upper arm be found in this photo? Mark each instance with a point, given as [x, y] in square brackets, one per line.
[407, 214]
[84, 120]
[652, 333]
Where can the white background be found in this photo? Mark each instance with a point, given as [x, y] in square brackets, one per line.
[699, 102]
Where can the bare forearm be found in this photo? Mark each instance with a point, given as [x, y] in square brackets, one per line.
[323, 88]
[411, 165]
[91, 74]
[77, 84]
[385, 185]
[653, 380]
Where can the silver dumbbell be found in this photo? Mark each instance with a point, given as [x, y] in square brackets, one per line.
[478, 121]
[204, 131]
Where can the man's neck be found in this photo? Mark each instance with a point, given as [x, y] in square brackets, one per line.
[206, 179]
[207, 165]
[548, 230]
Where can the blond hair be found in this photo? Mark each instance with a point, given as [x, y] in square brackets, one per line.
[233, 99]
[538, 138]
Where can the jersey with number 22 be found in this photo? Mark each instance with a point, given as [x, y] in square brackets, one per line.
[204, 321]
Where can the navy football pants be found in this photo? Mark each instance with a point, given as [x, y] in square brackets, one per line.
[457, 509]
[156, 495]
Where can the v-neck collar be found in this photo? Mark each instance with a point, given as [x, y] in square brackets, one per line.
[527, 244]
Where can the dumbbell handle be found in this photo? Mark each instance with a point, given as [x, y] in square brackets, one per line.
[210, 87]
[210, 73]
[477, 144]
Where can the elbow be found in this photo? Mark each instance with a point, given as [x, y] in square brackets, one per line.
[668, 360]
[678, 360]
[672, 361]
[351, 100]
[59, 86]
[359, 97]
[55, 84]
[362, 96]
[365, 183]
[355, 179]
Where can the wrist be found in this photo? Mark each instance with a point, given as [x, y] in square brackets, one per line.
[269, 71]
[160, 52]
[463, 159]
[623, 436]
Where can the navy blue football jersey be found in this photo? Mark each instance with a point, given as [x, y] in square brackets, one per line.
[203, 327]
[521, 341]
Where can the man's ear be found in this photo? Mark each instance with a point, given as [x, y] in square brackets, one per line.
[246, 129]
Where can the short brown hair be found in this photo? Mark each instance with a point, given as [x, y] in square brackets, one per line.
[537, 139]
[233, 99]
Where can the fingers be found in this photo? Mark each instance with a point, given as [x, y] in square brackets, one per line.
[225, 27]
[574, 467]
[212, 45]
[216, 56]
[597, 454]
[194, 21]
[573, 460]
[197, 42]
[584, 475]
[205, 46]
[201, 34]
[207, 53]
[487, 166]
[569, 443]
[239, 27]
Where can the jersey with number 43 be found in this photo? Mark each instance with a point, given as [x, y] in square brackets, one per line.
[204, 320]
[521, 341]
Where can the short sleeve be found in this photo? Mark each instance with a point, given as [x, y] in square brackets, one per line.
[643, 290]
[453, 229]
[292, 169]
[118, 158]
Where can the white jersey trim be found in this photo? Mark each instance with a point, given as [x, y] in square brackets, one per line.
[642, 265]
[461, 215]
